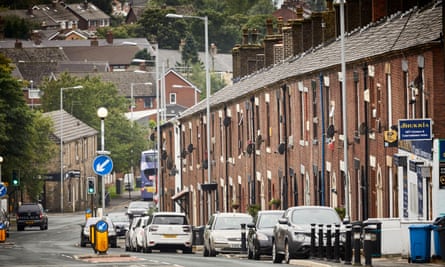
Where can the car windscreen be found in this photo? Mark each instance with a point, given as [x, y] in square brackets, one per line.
[180, 220]
[138, 205]
[119, 218]
[231, 223]
[268, 220]
[317, 216]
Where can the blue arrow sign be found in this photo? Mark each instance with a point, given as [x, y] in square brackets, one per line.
[102, 165]
[102, 226]
[3, 189]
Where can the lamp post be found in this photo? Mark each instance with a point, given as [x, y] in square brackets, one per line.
[132, 122]
[61, 140]
[206, 63]
[102, 113]
[1, 161]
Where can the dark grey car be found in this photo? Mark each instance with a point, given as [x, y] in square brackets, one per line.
[292, 233]
[31, 215]
[259, 236]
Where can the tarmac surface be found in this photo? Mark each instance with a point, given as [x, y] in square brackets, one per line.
[384, 261]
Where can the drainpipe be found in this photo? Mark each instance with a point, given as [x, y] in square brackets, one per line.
[227, 159]
[253, 178]
[366, 170]
[323, 141]
[286, 163]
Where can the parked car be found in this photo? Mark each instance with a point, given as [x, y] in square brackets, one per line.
[31, 215]
[260, 233]
[138, 237]
[292, 233]
[168, 230]
[121, 222]
[222, 233]
[139, 208]
[4, 219]
[129, 234]
[85, 231]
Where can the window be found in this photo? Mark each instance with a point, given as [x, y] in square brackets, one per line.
[172, 98]
[314, 110]
[148, 102]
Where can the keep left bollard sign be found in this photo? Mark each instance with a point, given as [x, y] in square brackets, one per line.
[101, 236]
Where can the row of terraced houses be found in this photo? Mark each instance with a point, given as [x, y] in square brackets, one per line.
[277, 134]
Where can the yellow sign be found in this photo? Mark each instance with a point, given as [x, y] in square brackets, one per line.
[150, 189]
[390, 136]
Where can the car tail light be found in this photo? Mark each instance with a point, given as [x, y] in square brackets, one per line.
[186, 228]
[41, 216]
[153, 228]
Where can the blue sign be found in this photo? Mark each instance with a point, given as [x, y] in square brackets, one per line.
[416, 129]
[102, 165]
[442, 150]
[3, 189]
[101, 226]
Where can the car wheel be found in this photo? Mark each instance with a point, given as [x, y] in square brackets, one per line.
[286, 252]
[276, 257]
[187, 251]
[42, 227]
[20, 227]
[205, 252]
[82, 241]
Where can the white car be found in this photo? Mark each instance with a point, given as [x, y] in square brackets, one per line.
[138, 238]
[168, 230]
[130, 233]
[222, 233]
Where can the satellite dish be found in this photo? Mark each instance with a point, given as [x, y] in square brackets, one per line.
[190, 148]
[205, 164]
[331, 131]
[184, 153]
[152, 136]
[363, 128]
[164, 155]
[282, 148]
[250, 149]
[169, 163]
[227, 121]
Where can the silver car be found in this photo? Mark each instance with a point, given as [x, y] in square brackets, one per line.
[85, 231]
[222, 233]
[168, 230]
[292, 233]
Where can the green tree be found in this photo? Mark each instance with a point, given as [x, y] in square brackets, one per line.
[25, 143]
[124, 141]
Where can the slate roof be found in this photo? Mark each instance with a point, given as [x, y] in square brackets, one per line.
[73, 128]
[123, 80]
[90, 13]
[114, 55]
[415, 27]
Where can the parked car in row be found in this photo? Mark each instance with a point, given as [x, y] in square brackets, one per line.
[168, 230]
[31, 215]
[139, 208]
[85, 231]
[260, 233]
[292, 233]
[222, 233]
[121, 222]
[138, 237]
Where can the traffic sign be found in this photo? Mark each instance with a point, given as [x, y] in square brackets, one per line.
[102, 165]
[101, 226]
[3, 189]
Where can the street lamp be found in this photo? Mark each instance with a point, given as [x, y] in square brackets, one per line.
[132, 122]
[1, 161]
[61, 140]
[102, 113]
[206, 63]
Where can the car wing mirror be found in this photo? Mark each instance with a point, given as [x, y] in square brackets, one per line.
[283, 221]
[250, 225]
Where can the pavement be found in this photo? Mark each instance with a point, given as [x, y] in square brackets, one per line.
[120, 201]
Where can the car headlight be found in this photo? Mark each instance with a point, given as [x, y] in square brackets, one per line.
[301, 237]
[261, 236]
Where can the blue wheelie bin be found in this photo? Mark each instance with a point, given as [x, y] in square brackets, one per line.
[420, 243]
[439, 223]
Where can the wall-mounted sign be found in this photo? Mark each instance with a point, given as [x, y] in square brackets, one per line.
[442, 150]
[416, 129]
[442, 176]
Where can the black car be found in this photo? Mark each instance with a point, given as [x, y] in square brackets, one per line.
[32, 215]
[259, 237]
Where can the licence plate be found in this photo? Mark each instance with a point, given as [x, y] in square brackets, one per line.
[29, 222]
[235, 245]
[169, 236]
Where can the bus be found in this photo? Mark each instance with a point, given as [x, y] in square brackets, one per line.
[149, 180]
